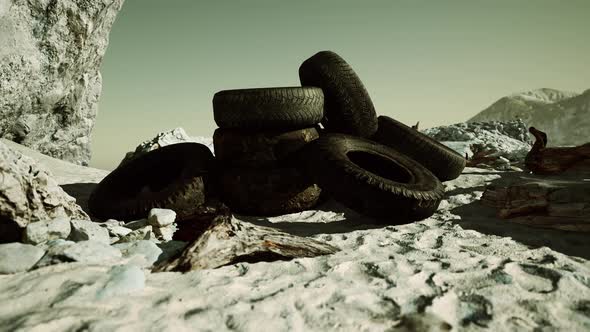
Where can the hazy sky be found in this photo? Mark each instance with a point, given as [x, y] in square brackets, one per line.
[439, 62]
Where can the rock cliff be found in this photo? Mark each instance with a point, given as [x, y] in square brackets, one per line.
[50, 83]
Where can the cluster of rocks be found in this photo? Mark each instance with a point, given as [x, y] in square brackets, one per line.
[494, 144]
[145, 242]
[40, 224]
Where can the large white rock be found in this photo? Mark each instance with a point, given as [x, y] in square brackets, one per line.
[28, 192]
[161, 217]
[17, 257]
[43, 231]
[50, 56]
[84, 230]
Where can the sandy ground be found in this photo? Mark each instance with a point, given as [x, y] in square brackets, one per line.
[463, 265]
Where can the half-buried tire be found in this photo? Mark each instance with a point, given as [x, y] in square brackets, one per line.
[441, 160]
[372, 179]
[279, 108]
[348, 108]
[173, 177]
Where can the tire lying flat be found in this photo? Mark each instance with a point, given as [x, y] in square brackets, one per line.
[441, 160]
[269, 108]
[267, 192]
[372, 179]
[173, 177]
[246, 148]
[348, 108]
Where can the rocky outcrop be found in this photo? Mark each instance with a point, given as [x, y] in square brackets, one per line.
[50, 55]
[28, 193]
[564, 116]
[508, 140]
[164, 138]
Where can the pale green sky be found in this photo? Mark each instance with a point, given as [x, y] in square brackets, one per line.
[439, 62]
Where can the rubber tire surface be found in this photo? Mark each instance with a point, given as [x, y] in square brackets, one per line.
[373, 179]
[269, 108]
[173, 177]
[441, 160]
[267, 192]
[348, 108]
[252, 149]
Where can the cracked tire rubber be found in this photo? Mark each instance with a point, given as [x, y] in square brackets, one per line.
[252, 149]
[172, 177]
[372, 179]
[280, 108]
[267, 192]
[348, 109]
[441, 160]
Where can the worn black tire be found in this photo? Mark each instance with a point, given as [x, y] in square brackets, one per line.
[173, 177]
[441, 160]
[348, 109]
[244, 148]
[269, 108]
[372, 179]
[267, 192]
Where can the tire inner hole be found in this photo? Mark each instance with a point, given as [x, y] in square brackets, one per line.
[380, 166]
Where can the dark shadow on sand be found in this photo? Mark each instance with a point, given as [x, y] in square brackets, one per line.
[81, 192]
[481, 218]
[352, 222]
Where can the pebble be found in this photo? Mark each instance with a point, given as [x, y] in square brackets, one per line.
[18, 257]
[116, 228]
[144, 233]
[166, 233]
[85, 230]
[43, 231]
[161, 217]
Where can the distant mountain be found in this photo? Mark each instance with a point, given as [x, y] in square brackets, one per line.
[564, 116]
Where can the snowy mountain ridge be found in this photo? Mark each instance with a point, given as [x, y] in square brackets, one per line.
[563, 115]
[544, 95]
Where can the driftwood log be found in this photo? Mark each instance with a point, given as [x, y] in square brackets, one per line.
[559, 203]
[229, 241]
[555, 160]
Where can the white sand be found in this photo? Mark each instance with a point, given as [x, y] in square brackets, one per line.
[463, 265]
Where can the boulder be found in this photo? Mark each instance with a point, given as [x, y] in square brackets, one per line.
[161, 217]
[43, 231]
[17, 257]
[84, 230]
[28, 193]
[50, 56]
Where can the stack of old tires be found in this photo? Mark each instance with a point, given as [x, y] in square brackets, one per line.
[374, 165]
[259, 132]
[276, 147]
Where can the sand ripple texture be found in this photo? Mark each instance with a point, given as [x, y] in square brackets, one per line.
[461, 270]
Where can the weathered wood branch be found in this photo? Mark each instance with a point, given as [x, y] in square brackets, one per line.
[546, 161]
[547, 203]
[229, 241]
